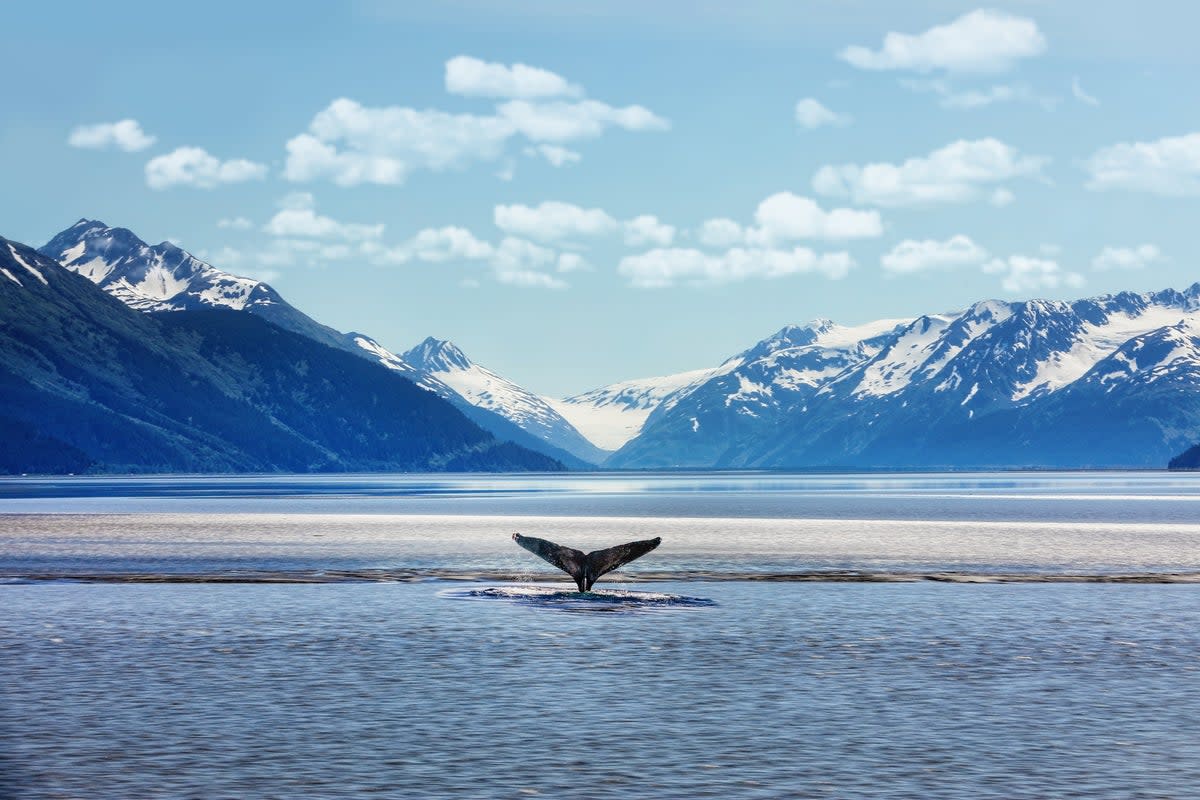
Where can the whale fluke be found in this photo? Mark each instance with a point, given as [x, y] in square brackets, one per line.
[586, 568]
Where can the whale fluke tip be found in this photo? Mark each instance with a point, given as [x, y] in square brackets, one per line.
[585, 569]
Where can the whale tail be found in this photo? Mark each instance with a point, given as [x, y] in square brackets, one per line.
[586, 568]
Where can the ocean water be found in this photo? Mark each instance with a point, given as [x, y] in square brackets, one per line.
[381, 636]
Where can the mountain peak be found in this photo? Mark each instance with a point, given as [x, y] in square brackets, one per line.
[437, 355]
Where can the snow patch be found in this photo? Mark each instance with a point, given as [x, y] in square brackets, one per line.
[894, 368]
[17, 257]
[1095, 343]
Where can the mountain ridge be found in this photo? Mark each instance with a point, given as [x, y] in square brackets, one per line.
[917, 394]
[90, 384]
[165, 278]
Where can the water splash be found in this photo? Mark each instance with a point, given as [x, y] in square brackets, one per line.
[597, 601]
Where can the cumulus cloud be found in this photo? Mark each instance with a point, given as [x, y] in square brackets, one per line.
[1027, 274]
[513, 261]
[571, 262]
[565, 223]
[952, 174]
[1168, 166]
[979, 41]
[553, 221]
[382, 145]
[1114, 258]
[235, 223]
[298, 218]
[448, 243]
[555, 155]
[564, 121]
[351, 144]
[785, 217]
[720, 232]
[810, 114]
[193, 166]
[664, 267]
[126, 134]
[475, 78]
[912, 256]
[648, 230]
[521, 263]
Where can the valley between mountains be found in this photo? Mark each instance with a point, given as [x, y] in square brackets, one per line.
[125, 356]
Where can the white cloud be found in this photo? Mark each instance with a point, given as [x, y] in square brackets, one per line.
[519, 263]
[720, 232]
[1139, 257]
[810, 114]
[1167, 166]
[1080, 95]
[929, 254]
[350, 143]
[785, 216]
[571, 262]
[298, 218]
[1026, 274]
[553, 221]
[449, 243]
[555, 155]
[126, 134]
[513, 261]
[952, 174]
[235, 223]
[663, 267]
[475, 78]
[979, 41]
[647, 230]
[193, 166]
[382, 145]
[563, 121]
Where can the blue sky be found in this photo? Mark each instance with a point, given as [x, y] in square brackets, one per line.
[580, 193]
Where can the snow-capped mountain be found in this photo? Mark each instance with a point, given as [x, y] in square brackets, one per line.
[89, 384]
[612, 415]
[164, 277]
[1108, 381]
[441, 362]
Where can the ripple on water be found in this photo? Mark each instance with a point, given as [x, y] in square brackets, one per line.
[597, 601]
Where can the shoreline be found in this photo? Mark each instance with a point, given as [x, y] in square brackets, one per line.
[508, 576]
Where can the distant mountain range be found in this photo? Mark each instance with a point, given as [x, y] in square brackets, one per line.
[163, 277]
[1112, 381]
[1105, 382]
[88, 384]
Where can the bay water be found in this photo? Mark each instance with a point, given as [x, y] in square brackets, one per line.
[968, 635]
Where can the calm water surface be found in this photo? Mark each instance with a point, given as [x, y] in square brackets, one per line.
[779, 690]
[691, 682]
